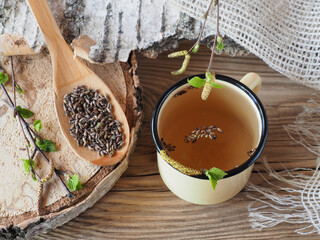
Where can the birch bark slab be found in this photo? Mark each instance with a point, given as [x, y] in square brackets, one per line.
[117, 26]
[18, 192]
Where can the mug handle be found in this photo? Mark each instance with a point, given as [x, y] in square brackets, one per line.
[253, 81]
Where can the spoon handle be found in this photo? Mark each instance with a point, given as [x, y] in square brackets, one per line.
[61, 54]
[46, 22]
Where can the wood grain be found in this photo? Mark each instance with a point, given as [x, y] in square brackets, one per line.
[141, 207]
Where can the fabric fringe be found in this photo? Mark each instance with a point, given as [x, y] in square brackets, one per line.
[297, 200]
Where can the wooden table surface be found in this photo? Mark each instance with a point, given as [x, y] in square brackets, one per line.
[140, 206]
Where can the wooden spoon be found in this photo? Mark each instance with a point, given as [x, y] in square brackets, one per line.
[70, 73]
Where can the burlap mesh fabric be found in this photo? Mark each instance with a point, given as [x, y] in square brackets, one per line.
[285, 33]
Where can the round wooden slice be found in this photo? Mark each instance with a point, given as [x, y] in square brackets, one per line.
[18, 192]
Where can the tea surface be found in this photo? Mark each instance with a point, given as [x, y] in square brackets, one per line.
[186, 111]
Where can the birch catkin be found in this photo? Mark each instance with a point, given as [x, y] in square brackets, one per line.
[206, 91]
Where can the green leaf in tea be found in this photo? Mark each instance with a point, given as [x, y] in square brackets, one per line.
[196, 48]
[197, 82]
[19, 89]
[37, 125]
[220, 45]
[74, 183]
[26, 165]
[215, 174]
[46, 145]
[215, 85]
[25, 113]
[3, 78]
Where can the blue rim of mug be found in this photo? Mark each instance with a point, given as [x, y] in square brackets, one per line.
[241, 86]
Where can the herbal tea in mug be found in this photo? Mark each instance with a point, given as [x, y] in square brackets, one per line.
[201, 134]
[228, 131]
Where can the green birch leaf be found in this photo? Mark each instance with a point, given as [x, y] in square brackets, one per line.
[196, 48]
[214, 175]
[19, 89]
[220, 46]
[37, 125]
[46, 145]
[41, 145]
[25, 113]
[197, 82]
[215, 85]
[3, 78]
[34, 177]
[26, 165]
[50, 145]
[74, 183]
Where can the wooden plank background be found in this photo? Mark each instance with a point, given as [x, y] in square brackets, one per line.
[141, 207]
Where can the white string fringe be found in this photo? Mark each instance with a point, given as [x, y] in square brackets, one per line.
[307, 126]
[297, 199]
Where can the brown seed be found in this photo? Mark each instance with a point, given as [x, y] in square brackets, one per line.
[219, 130]
[88, 109]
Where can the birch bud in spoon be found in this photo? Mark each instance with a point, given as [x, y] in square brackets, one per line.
[89, 115]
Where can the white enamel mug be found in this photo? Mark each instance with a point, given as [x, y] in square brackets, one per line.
[197, 189]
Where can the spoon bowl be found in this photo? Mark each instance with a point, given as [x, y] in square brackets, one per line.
[69, 72]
